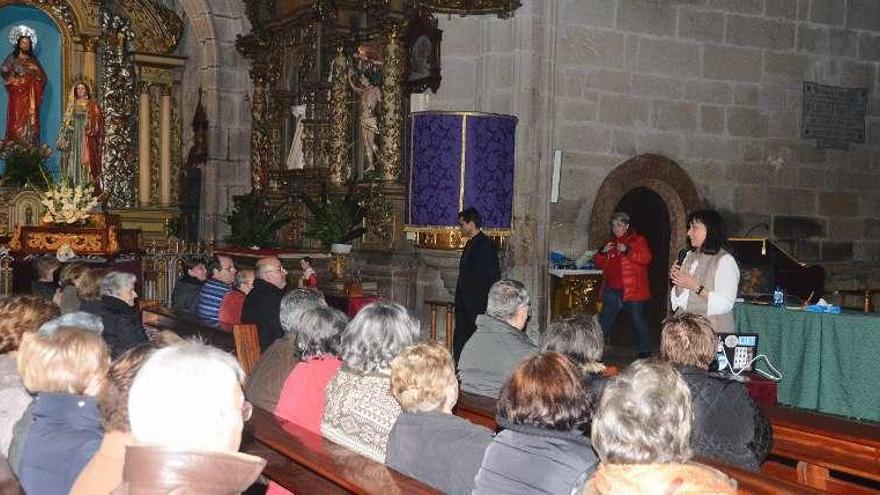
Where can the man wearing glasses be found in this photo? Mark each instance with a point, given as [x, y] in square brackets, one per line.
[263, 303]
[222, 274]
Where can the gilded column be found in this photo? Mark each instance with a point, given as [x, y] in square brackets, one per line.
[90, 46]
[165, 149]
[391, 129]
[340, 119]
[144, 146]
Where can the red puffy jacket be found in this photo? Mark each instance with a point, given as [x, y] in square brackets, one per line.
[633, 264]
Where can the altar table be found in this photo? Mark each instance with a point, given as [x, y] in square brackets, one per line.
[829, 362]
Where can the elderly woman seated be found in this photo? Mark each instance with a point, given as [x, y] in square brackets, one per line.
[642, 431]
[122, 322]
[728, 425]
[427, 441]
[64, 366]
[543, 407]
[360, 409]
[579, 339]
[103, 473]
[187, 411]
[19, 315]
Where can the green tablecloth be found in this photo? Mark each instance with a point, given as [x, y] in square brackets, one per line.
[829, 362]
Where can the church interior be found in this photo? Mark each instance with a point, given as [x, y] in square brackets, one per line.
[140, 135]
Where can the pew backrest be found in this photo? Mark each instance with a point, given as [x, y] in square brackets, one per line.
[304, 462]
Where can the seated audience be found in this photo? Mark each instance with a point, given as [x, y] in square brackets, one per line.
[263, 303]
[81, 320]
[44, 272]
[302, 399]
[19, 315]
[499, 343]
[222, 271]
[65, 368]
[543, 408]
[269, 374]
[427, 441]
[122, 322]
[233, 301]
[642, 431]
[728, 425]
[103, 473]
[187, 411]
[360, 409]
[580, 339]
[185, 296]
[69, 279]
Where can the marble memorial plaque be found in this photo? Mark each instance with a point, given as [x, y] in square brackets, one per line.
[833, 115]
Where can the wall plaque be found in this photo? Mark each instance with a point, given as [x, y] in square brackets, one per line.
[833, 115]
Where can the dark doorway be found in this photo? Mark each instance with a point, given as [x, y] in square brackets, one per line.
[650, 217]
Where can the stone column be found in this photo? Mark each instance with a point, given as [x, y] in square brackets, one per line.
[144, 146]
[90, 46]
[165, 150]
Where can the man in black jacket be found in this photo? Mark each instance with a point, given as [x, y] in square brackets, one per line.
[263, 303]
[477, 271]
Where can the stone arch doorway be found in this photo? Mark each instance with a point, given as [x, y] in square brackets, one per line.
[658, 194]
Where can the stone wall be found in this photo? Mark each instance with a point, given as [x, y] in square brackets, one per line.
[216, 66]
[714, 85]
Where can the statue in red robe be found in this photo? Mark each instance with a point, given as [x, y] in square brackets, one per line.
[25, 80]
[81, 137]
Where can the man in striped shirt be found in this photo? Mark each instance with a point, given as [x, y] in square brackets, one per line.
[222, 274]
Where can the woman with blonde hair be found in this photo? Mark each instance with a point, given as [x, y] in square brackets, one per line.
[427, 441]
[19, 315]
[642, 433]
[65, 367]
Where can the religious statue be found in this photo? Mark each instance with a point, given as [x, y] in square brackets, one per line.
[25, 81]
[81, 137]
[295, 158]
[369, 124]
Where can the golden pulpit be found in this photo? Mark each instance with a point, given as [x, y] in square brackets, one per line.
[574, 292]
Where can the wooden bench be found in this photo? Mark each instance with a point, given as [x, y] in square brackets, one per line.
[816, 444]
[303, 462]
[243, 340]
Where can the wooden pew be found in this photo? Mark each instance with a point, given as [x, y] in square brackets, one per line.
[809, 448]
[242, 339]
[817, 443]
[303, 462]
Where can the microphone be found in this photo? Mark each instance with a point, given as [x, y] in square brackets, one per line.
[682, 254]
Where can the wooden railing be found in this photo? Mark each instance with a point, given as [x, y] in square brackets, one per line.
[817, 445]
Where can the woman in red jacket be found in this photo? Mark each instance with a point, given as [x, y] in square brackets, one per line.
[624, 261]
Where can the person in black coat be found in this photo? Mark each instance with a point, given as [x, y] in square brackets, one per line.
[122, 323]
[728, 425]
[185, 297]
[478, 270]
[263, 303]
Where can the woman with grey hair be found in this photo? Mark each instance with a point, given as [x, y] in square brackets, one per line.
[579, 338]
[360, 409]
[642, 433]
[122, 323]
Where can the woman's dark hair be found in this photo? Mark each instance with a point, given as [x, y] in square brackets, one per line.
[545, 391]
[320, 330]
[307, 259]
[716, 237]
[113, 399]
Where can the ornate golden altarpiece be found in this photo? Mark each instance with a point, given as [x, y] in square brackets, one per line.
[127, 49]
[311, 54]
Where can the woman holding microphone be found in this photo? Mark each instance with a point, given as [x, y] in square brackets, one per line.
[705, 280]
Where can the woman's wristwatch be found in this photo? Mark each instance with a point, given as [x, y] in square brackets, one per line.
[700, 290]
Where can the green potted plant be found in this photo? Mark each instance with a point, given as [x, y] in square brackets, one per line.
[254, 222]
[335, 219]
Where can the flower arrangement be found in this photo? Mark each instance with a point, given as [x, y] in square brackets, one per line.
[66, 202]
[24, 161]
